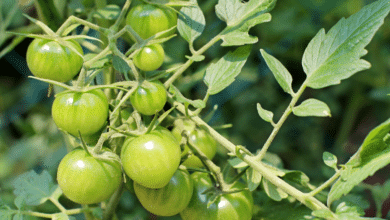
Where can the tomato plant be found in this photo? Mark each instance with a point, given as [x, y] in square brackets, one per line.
[238, 205]
[86, 112]
[85, 179]
[150, 57]
[49, 59]
[169, 200]
[149, 98]
[197, 137]
[151, 159]
[147, 19]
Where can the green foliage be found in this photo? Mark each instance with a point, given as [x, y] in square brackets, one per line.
[215, 75]
[332, 57]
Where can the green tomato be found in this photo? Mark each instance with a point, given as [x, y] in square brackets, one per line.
[149, 58]
[227, 207]
[169, 200]
[149, 98]
[147, 20]
[86, 180]
[151, 159]
[50, 60]
[199, 138]
[86, 112]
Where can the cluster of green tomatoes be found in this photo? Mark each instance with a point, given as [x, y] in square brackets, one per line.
[149, 163]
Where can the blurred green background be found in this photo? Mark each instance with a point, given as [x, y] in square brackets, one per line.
[29, 138]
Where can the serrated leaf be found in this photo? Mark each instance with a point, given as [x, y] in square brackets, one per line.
[296, 176]
[33, 188]
[180, 98]
[235, 12]
[253, 178]
[282, 75]
[323, 213]
[273, 192]
[264, 114]
[191, 23]
[120, 64]
[332, 57]
[100, 63]
[237, 163]
[110, 12]
[330, 160]
[371, 156]
[283, 210]
[240, 17]
[312, 107]
[221, 74]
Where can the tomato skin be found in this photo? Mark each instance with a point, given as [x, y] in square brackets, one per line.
[169, 200]
[147, 20]
[199, 138]
[86, 112]
[49, 60]
[151, 159]
[227, 207]
[86, 180]
[149, 98]
[149, 58]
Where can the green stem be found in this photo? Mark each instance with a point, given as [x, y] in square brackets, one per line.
[189, 62]
[309, 201]
[325, 184]
[122, 15]
[58, 204]
[282, 119]
[210, 166]
[75, 20]
[113, 203]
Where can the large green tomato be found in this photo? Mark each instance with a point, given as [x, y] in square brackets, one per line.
[149, 98]
[227, 207]
[150, 57]
[50, 60]
[199, 138]
[169, 200]
[86, 112]
[86, 180]
[151, 159]
[147, 20]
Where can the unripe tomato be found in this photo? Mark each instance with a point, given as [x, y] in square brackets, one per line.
[50, 60]
[151, 159]
[86, 180]
[227, 207]
[86, 112]
[147, 20]
[149, 98]
[169, 200]
[199, 138]
[149, 58]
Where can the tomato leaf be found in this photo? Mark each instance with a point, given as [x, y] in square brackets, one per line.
[330, 160]
[282, 75]
[273, 192]
[312, 107]
[332, 57]
[180, 98]
[237, 163]
[221, 74]
[240, 17]
[191, 23]
[372, 156]
[254, 179]
[34, 188]
[265, 114]
[283, 210]
[120, 64]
